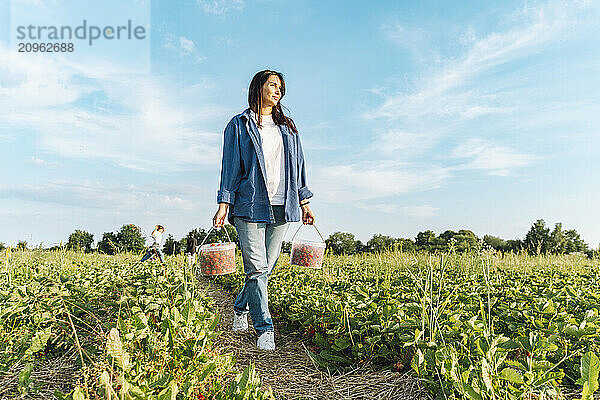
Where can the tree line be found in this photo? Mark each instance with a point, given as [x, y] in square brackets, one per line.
[540, 239]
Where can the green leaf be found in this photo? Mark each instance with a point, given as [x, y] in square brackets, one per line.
[39, 341]
[159, 380]
[341, 343]
[25, 376]
[469, 391]
[209, 368]
[511, 375]
[590, 366]
[245, 375]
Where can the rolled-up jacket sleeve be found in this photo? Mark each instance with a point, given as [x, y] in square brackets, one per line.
[230, 166]
[303, 192]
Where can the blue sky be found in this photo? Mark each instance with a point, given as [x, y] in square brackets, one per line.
[413, 115]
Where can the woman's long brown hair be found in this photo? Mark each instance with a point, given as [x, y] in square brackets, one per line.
[255, 99]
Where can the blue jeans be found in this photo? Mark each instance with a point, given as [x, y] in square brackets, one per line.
[261, 245]
[152, 250]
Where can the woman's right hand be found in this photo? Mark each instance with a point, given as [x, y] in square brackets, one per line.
[220, 215]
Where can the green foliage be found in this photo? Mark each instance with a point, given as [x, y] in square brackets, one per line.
[404, 245]
[341, 243]
[473, 326]
[216, 235]
[496, 243]
[145, 333]
[539, 240]
[590, 367]
[22, 245]
[424, 240]
[81, 241]
[2, 246]
[129, 238]
[173, 246]
[108, 244]
[380, 243]
[286, 247]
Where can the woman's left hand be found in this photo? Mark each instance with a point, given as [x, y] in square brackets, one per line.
[308, 218]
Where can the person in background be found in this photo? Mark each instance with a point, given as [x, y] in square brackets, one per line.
[191, 244]
[264, 188]
[154, 249]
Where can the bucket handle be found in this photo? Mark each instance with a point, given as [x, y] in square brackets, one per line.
[209, 231]
[313, 226]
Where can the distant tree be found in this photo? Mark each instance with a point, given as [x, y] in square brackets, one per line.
[496, 243]
[198, 233]
[81, 241]
[438, 244]
[558, 242]
[424, 240]
[341, 243]
[129, 238]
[515, 245]
[537, 240]
[182, 243]
[221, 236]
[172, 246]
[404, 245]
[218, 235]
[465, 240]
[359, 247]
[573, 242]
[447, 235]
[108, 244]
[22, 245]
[2, 246]
[380, 243]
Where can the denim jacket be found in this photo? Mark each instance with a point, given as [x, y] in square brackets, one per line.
[243, 183]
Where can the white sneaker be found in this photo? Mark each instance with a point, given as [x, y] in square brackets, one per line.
[240, 322]
[266, 341]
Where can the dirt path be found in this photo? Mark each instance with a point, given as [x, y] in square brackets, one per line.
[290, 371]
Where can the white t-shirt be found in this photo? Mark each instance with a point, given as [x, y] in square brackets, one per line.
[272, 146]
[157, 236]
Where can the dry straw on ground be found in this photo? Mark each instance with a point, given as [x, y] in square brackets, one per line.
[55, 374]
[292, 374]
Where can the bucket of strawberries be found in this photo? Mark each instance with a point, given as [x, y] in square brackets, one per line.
[307, 253]
[216, 258]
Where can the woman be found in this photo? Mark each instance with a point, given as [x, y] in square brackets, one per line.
[263, 187]
[154, 249]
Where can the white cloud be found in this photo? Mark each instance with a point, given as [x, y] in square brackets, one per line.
[183, 46]
[497, 160]
[371, 180]
[412, 38]
[135, 121]
[186, 44]
[448, 92]
[220, 7]
[41, 162]
[423, 211]
[98, 195]
[403, 144]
